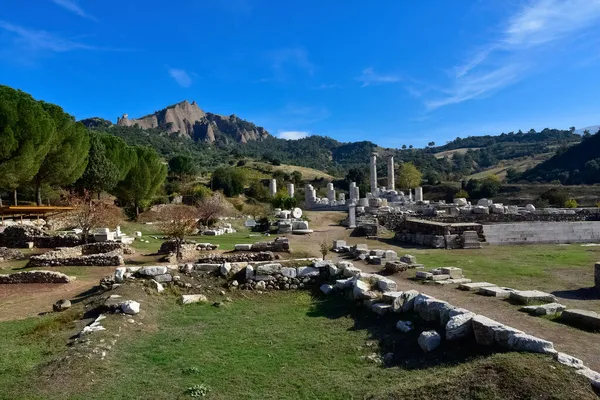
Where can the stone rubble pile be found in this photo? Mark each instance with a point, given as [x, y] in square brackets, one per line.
[7, 254]
[26, 236]
[279, 245]
[93, 254]
[215, 258]
[225, 229]
[35, 277]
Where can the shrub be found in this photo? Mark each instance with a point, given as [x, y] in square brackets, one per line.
[461, 193]
[556, 197]
[571, 203]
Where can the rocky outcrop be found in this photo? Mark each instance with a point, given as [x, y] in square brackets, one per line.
[190, 121]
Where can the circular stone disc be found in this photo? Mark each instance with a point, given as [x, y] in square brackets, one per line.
[296, 212]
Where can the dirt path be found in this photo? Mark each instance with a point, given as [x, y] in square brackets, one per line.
[28, 300]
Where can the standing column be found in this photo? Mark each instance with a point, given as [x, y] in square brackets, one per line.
[391, 183]
[290, 188]
[273, 187]
[352, 216]
[373, 170]
[330, 193]
[419, 194]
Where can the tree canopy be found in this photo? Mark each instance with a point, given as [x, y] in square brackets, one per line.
[409, 176]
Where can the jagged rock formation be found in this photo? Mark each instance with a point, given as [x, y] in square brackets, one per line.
[190, 121]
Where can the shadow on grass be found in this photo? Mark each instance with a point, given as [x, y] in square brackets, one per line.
[578, 294]
[393, 242]
[406, 352]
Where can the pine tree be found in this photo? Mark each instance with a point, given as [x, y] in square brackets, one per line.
[68, 156]
[101, 174]
[26, 135]
[119, 153]
[143, 179]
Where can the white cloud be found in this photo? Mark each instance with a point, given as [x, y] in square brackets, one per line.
[41, 40]
[293, 135]
[535, 28]
[181, 77]
[72, 6]
[369, 77]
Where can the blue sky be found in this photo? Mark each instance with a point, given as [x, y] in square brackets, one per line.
[391, 71]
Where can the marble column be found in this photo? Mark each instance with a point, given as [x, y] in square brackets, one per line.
[419, 194]
[290, 188]
[273, 187]
[373, 170]
[352, 216]
[391, 185]
[330, 193]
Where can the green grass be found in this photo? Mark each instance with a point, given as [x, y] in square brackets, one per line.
[521, 267]
[280, 345]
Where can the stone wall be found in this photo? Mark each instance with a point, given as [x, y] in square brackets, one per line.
[103, 254]
[7, 254]
[35, 277]
[17, 236]
[237, 257]
[542, 232]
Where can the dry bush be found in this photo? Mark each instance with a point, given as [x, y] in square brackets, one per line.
[177, 221]
[210, 209]
[91, 214]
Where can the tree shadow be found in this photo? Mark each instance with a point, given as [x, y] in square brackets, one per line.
[404, 346]
[590, 293]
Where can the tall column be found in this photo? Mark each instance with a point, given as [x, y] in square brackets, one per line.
[330, 192]
[352, 216]
[391, 184]
[373, 170]
[290, 188]
[273, 187]
[419, 194]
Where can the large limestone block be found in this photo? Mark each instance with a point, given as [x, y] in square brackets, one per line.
[459, 326]
[495, 291]
[532, 296]
[429, 309]
[528, 343]
[385, 284]
[362, 291]
[193, 298]
[351, 272]
[289, 272]
[582, 318]
[569, 360]
[485, 329]
[475, 285]
[249, 272]
[268, 269]
[243, 247]
[381, 308]
[389, 297]
[455, 273]
[429, 341]
[342, 284]
[404, 326]
[152, 271]
[163, 278]
[130, 307]
[545, 309]
[405, 302]
[418, 301]
[308, 271]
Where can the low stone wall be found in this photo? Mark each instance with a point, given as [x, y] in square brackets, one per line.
[17, 236]
[7, 254]
[280, 244]
[35, 277]
[237, 257]
[103, 254]
[542, 232]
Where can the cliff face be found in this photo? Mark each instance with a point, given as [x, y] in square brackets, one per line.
[190, 121]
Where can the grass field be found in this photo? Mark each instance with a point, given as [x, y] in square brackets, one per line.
[273, 346]
[307, 173]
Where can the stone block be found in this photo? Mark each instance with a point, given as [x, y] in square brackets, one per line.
[407, 258]
[581, 318]
[528, 343]
[308, 271]
[485, 329]
[455, 273]
[389, 297]
[288, 272]
[404, 326]
[362, 291]
[568, 360]
[268, 269]
[459, 326]
[430, 309]
[405, 302]
[326, 289]
[531, 296]
[338, 244]
[429, 341]
[243, 247]
[342, 284]
[439, 277]
[193, 298]
[545, 309]
[381, 308]
[163, 278]
[385, 284]
[423, 275]
[205, 267]
[495, 291]
[351, 272]
[152, 271]
[475, 285]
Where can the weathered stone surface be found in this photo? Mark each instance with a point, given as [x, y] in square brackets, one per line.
[61, 305]
[386, 285]
[381, 308]
[207, 267]
[220, 258]
[475, 285]
[528, 343]
[152, 271]
[389, 297]
[342, 284]
[249, 272]
[338, 244]
[404, 326]
[193, 298]
[261, 285]
[362, 291]
[581, 318]
[157, 286]
[495, 291]
[405, 302]
[485, 329]
[531, 296]
[7, 254]
[423, 275]
[568, 360]
[308, 271]
[242, 247]
[225, 269]
[130, 307]
[120, 274]
[459, 326]
[351, 272]
[268, 269]
[438, 277]
[429, 309]
[393, 267]
[545, 309]
[420, 298]
[453, 272]
[326, 289]
[163, 278]
[289, 272]
[429, 341]
[408, 259]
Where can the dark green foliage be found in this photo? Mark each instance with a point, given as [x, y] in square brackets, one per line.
[483, 188]
[122, 156]
[101, 174]
[284, 201]
[182, 166]
[26, 135]
[68, 157]
[229, 179]
[556, 197]
[258, 191]
[579, 164]
[296, 177]
[143, 179]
